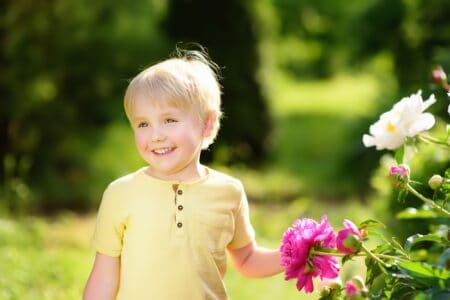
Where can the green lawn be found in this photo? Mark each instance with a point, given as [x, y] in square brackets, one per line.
[50, 258]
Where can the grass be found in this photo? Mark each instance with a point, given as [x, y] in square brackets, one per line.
[50, 258]
[44, 258]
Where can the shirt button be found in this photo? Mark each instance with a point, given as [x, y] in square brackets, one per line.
[180, 192]
[179, 224]
[180, 207]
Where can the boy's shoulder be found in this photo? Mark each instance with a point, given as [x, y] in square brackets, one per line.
[225, 179]
[125, 180]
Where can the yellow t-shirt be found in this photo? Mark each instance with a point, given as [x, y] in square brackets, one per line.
[171, 237]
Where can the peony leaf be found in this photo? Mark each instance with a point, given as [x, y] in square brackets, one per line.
[442, 263]
[434, 293]
[396, 245]
[423, 272]
[371, 223]
[414, 213]
[447, 172]
[401, 196]
[347, 258]
[373, 270]
[414, 239]
[380, 235]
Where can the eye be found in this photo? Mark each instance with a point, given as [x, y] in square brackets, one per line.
[142, 125]
[170, 120]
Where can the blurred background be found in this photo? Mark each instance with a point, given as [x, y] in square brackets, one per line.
[302, 82]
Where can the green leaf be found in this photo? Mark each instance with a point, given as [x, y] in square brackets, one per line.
[424, 273]
[382, 248]
[373, 271]
[399, 153]
[347, 258]
[396, 245]
[434, 294]
[442, 263]
[402, 291]
[380, 235]
[414, 239]
[401, 196]
[371, 223]
[447, 173]
[414, 213]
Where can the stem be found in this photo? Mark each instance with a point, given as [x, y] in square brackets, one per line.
[427, 201]
[429, 139]
[338, 254]
[373, 255]
[391, 257]
[376, 258]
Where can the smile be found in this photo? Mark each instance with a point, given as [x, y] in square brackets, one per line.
[163, 151]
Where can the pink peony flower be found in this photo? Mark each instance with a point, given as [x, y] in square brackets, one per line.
[348, 239]
[351, 289]
[399, 176]
[355, 288]
[401, 171]
[439, 77]
[297, 258]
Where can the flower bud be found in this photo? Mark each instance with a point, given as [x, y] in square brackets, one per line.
[347, 242]
[327, 285]
[435, 181]
[348, 239]
[355, 289]
[363, 232]
[359, 282]
[400, 170]
[399, 176]
[332, 291]
[439, 77]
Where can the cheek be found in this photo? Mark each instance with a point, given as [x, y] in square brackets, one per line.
[140, 141]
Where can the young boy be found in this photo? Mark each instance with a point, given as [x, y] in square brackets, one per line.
[162, 231]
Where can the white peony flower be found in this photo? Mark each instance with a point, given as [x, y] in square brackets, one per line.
[405, 119]
[448, 109]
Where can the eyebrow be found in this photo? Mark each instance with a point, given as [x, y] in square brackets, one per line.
[138, 119]
[163, 115]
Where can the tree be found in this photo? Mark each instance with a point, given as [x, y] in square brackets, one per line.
[230, 37]
[65, 66]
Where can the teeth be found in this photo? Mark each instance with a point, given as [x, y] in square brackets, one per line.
[162, 150]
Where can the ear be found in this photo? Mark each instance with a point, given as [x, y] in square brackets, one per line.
[208, 124]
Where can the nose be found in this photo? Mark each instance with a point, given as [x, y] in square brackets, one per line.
[157, 135]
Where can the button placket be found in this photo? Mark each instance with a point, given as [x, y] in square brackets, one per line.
[179, 207]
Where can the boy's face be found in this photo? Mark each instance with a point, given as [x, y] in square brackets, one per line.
[169, 139]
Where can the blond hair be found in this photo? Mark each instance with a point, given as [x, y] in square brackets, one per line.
[188, 81]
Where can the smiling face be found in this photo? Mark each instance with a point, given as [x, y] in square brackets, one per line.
[169, 139]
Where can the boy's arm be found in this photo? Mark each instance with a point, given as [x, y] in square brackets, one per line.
[104, 279]
[254, 261]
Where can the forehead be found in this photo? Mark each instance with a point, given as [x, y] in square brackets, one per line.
[142, 105]
[145, 99]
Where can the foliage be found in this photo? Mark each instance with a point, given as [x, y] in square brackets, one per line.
[65, 66]
[232, 41]
[415, 33]
[414, 269]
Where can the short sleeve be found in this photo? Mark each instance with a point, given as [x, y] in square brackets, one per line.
[244, 232]
[110, 224]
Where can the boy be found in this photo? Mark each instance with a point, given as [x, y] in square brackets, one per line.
[162, 231]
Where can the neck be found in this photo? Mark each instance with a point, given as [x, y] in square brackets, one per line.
[186, 175]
